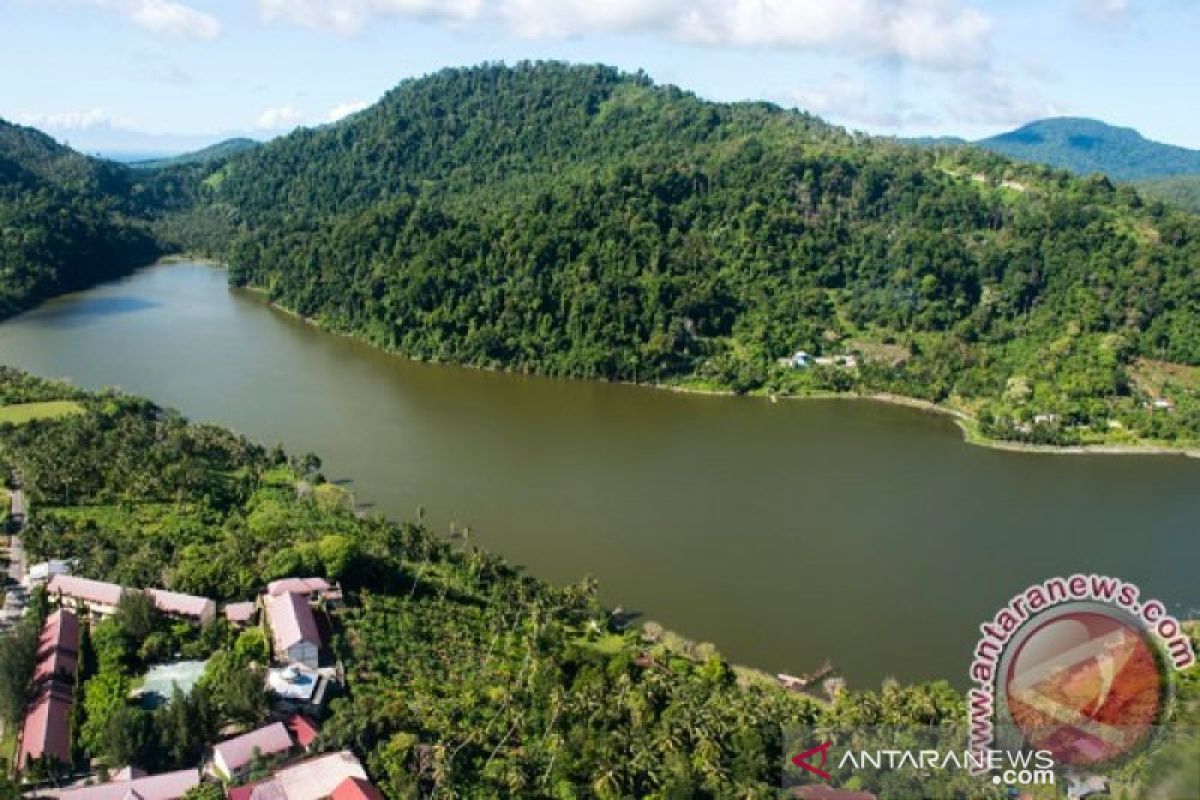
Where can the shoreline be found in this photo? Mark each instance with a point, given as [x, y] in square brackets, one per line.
[964, 421]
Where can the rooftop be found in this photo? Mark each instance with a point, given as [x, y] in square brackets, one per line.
[239, 751]
[312, 779]
[303, 729]
[167, 786]
[46, 730]
[85, 589]
[187, 605]
[58, 647]
[239, 612]
[297, 586]
[291, 620]
[356, 789]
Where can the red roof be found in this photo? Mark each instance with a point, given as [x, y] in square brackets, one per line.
[184, 605]
[85, 589]
[303, 729]
[47, 727]
[239, 751]
[58, 648]
[356, 789]
[243, 792]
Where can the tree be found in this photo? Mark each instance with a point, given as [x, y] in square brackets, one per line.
[137, 615]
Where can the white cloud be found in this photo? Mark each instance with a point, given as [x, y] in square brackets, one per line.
[279, 118]
[940, 34]
[349, 16]
[288, 116]
[1104, 9]
[345, 109]
[165, 17]
[847, 100]
[990, 98]
[65, 120]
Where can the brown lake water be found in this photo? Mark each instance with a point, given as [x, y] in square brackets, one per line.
[785, 533]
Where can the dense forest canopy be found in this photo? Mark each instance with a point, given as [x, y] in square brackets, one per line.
[580, 221]
[66, 221]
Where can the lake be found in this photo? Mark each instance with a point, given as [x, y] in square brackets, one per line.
[786, 533]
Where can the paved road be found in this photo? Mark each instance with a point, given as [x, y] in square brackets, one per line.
[16, 550]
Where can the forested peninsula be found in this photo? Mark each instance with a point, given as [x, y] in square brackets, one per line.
[580, 221]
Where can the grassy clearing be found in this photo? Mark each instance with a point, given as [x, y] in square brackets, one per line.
[20, 413]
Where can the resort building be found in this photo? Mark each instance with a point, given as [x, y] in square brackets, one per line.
[232, 756]
[294, 631]
[312, 779]
[97, 597]
[184, 606]
[125, 786]
[46, 731]
[240, 614]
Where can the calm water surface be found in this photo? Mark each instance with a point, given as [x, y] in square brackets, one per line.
[785, 533]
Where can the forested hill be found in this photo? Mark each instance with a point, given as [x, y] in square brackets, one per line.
[580, 221]
[66, 221]
[205, 155]
[1086, 146]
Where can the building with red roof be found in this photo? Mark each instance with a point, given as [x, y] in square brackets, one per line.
[166, 786]
[356, 789]
[304, 731]
[46, 732]
[58, 649]
[46, 729]
[98, 597]
[232, 756]
[185, 606]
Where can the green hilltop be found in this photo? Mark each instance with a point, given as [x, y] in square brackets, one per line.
[1087, 146]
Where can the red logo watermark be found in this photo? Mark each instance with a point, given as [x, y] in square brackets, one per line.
[801, 760]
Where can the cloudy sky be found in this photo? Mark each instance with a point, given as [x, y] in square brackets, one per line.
[168, 74]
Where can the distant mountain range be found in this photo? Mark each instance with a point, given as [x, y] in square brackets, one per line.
[1088, 146]
[213, 152]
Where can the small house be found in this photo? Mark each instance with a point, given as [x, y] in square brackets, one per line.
[294, 633]
[232, 756]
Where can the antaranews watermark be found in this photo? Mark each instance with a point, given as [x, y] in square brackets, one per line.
[1079, 667]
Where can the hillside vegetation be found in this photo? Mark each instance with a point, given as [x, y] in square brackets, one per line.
[579, 221]
[1182, 191]
[66, 221]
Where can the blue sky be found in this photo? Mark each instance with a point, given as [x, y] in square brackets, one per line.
[170, 74]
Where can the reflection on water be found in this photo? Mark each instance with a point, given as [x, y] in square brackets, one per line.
[786, 533]
[76, 315]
